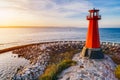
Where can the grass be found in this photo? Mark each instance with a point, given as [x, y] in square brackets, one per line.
[57, 63]
[58, 57]
[117, 72]
[53, 70]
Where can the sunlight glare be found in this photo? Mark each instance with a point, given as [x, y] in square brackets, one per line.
[6, 17]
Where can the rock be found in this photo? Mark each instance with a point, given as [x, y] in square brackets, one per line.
[81, 66]
[39, 56]
[97, 70]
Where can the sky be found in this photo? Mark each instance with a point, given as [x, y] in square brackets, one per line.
[61, 13]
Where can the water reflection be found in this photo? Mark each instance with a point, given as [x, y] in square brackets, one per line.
[19, 36]
[9, 63]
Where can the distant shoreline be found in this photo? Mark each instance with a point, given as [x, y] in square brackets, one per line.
[50, 27]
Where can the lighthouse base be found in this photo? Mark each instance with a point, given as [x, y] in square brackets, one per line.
[92, 53]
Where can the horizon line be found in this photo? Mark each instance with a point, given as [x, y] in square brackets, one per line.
[49, 27]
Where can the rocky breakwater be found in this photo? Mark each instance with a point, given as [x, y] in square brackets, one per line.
[39, 56]
[88, 69]
[39, 60]
[112, 49]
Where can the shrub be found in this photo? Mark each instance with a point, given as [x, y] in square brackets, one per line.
[53, 70]
[58, 57]
[65, 64]
[117, 71]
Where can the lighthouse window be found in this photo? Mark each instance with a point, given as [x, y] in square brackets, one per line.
[95, 14]
[91, 14]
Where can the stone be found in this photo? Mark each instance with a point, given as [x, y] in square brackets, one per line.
[81, 66]
[96, 71]
[39, 56]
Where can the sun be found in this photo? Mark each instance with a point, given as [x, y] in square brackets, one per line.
[9, 17]
[6, 17]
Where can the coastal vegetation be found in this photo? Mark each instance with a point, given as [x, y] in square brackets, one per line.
[67, 55]
[117, 72]
[58, 63]
[53, 70]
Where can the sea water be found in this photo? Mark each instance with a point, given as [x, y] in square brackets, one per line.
[17, 36]
[9, 63]
[10, 37]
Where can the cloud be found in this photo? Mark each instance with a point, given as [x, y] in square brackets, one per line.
[59, 12]
[49, 7]
[52, 12]
[13, 4]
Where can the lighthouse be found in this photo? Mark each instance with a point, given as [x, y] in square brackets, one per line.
[92, 46]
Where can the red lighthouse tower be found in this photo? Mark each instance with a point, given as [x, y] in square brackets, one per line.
[92, 47]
